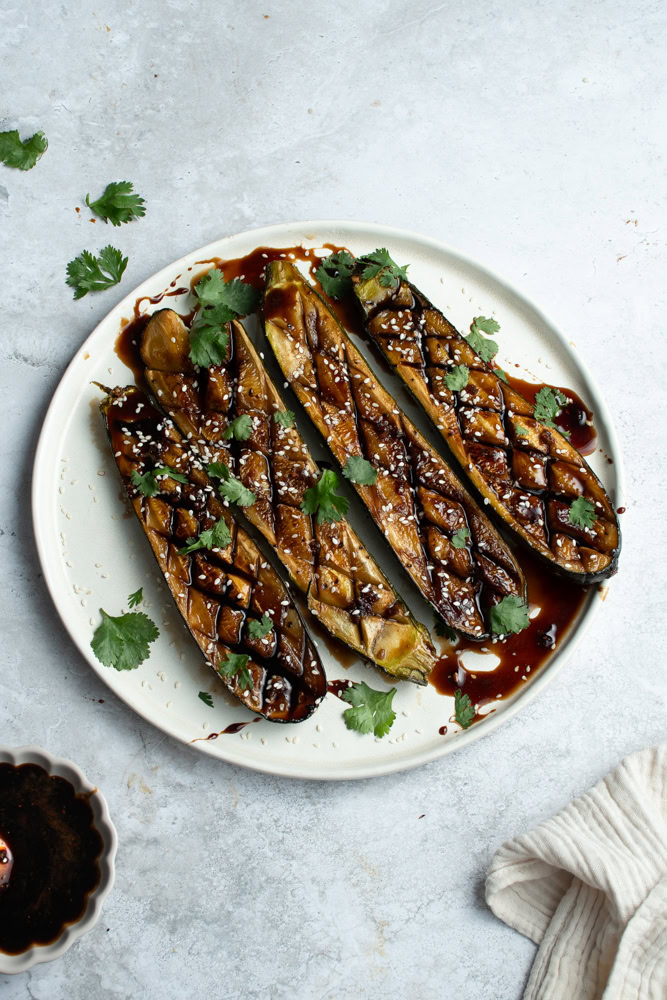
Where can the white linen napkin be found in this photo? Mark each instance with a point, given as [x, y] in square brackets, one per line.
[589, 886]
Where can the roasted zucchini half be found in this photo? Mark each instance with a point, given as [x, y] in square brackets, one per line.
[346, 590]
[451, 550]
[527, 472]
[219, 592]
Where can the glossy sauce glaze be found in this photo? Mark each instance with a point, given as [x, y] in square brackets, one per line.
[49, 835]
[521, 655]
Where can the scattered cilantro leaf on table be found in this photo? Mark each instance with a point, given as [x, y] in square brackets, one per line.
[457, 379]
[381, 266]
[87, 273]
[236, 663]
[334, 274]
[217, 537]
[206, 698]
[371, 710]
[118, 204]
[509, 615]
[582, 513]
[147, 483]
[261, 628]
[135, 598]
[464, 712]
[230, 488]
[359, 470]
[443, 629]
[460, 538]
[240, 428]
[322, 499]
[284, 417]
[21, 155]
[123, 642]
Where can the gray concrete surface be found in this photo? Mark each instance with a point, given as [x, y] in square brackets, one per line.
[531, 135]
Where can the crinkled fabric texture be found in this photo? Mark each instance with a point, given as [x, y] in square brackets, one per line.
[589, 886]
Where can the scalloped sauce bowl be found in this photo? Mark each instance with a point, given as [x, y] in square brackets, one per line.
[57, 852]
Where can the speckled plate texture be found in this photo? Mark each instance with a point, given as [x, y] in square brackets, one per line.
[94, 554]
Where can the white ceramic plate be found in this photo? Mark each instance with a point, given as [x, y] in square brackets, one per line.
[93, 554]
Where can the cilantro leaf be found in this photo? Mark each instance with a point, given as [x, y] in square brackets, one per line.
[442, 628]
[123, 642]
[206, 698]
[147, 484]
[208, 345]
[501, 375]
[334, 274]
[484, 324]
[460, 538]
[258, 629]
[118, 204]
[135, 598]
[217, 537]
[240, 428]
[486, 348]
[230, 488]
[284, 417]
[323, 500]
[87, 273]
[521, 431]
[548, 404]
[464, 713]
[509, 615]
[358, 470]
[371, 711]
[457, 379]
[22, 155]
[379, 264]
[237, 296]
[236, 663]
[582, 513]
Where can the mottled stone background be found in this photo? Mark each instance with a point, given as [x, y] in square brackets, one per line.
[531, 135]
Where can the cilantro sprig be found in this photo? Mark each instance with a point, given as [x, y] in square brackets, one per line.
[236, 663]
[371, 710]
[460, 538]
[323, 500]
[123, 642]
[217, 537]
[136, 598]
[359, 470]
[88, 273]
[220, 302]
[230, 488]
[464, 712]
[206, 698]
[260, 629]
[509, 616]
[240, 428]
[548, 405]
[284, 417]
[147, 482]
[21, 155]
[582, 513]
[380, 265]
[335, 274]
[457, 379]
[486, 348]
[118, 204]
[443, 629]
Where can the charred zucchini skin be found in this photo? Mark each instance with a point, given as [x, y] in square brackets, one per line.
[344, 587]
[417, 502]
[217, 592]
[543, 467]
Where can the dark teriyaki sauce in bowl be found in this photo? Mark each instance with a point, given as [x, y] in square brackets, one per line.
[52, 849]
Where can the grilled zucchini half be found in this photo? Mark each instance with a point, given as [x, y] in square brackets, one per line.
[527, 472]
[345, 589]
[219, 592]
[451, 550]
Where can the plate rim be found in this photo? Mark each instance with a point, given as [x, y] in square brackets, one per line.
[263, 234]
